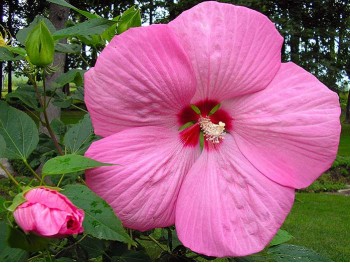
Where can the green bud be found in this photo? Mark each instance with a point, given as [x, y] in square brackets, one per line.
[40, 45]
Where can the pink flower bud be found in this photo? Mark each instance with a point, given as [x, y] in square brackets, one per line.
[48, 213]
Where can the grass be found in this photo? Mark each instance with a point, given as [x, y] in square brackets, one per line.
[321, 222]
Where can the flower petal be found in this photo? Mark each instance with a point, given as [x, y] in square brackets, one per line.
[290, 130]
[226, 207]
[50, 198]
[37, 218]
[143, 188]
[234, 50]
[142, 78]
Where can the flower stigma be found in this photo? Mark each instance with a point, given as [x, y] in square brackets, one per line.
[212, 132]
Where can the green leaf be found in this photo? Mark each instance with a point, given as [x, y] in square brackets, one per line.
[130, 18]
[6, 55]
[69, 163]
[68, 48]
[78, 94]
[79, 137]
[91, 27]
[110, 32]
[2, 146]
[58, 127]
[132, 256]
[93, 246]
[17, 50]
[7, 253]
[281, 237]
[26, 94]
[100, 220]
[24, 32]
[18, 200]
[293, 253]
[65, 4]
[19, 132]
[151, 248]
[72, 76]
[28, 242]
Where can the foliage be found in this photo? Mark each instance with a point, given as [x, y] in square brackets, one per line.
[55, 158]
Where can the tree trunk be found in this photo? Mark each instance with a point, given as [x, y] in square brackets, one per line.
[58, 16]
[151, 12]
[9, 63]
[347, 110]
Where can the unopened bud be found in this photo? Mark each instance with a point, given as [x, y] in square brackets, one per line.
[40, 45]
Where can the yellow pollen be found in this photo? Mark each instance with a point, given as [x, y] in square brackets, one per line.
[212, 132]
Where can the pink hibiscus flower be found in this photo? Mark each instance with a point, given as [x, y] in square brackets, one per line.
[277, 128]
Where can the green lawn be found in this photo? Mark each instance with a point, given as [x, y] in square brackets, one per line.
[321, 222]
[344, 145]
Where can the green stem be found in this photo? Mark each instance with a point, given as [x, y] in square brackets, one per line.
[9, 175]
[79, 108]
[32, 171]
[159, 244]
[43, 105]
[59, 182]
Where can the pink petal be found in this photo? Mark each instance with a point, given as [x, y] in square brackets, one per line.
[143, 188]
[290, 130]
[51, 199]
[234, 50]
[226, 207]
[142, 78]
[40, 219]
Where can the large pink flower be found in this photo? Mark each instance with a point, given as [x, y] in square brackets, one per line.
[277, 128]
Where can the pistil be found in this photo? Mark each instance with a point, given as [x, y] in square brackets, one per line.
[212, 132]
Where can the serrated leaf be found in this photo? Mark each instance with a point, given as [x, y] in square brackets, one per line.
[100, 220]
[88, 28]
[65, 4]
[69, 163]
[19, 132]
[26, 94]
[293, 253]
[130, 18]
[79, 136]
[281, 237]
[68, 48]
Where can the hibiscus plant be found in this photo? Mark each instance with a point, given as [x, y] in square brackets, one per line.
[195, 137]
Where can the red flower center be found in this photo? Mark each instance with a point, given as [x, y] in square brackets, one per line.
[203, 119]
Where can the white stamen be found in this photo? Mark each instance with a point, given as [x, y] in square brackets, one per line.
[212, 132]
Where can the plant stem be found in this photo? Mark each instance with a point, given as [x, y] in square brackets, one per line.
[159, 244]
[32, 171]
[43, 105]
[75, 106]
[9, 175]
[60, 181]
